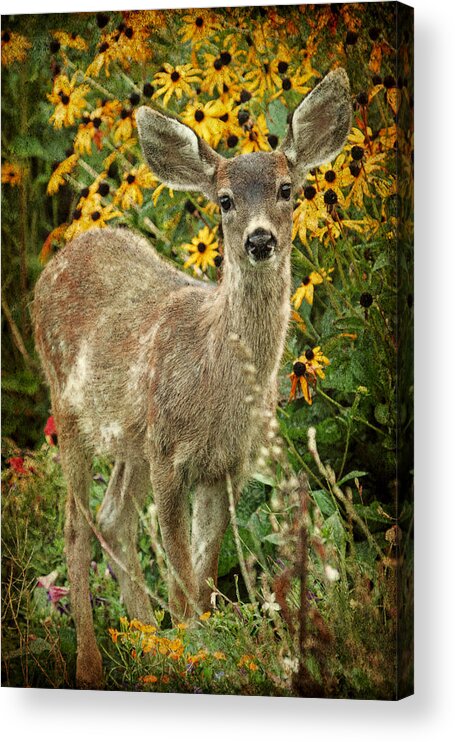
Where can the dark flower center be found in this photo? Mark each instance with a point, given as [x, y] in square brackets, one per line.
[148, 90]
[357, 152]
[351, 38]
[104, 47]
[243, 117]
[330, 197]
[97, 122]
[218, 64]
[354, 169]
[286, 84]
[102, 20]
[65, 99]
[124, 113]
[201, 247]
[389, 82]
[84, 192]
[134, 99]
[309, 354]
[129, 32]
[218, 260]
[306, 281]
[103, 189]
[77, 214]
[273, 140]
[54, 46]
[6, 36]
[232, 141]
[309, 192]
[225, 58]
[224, 117]
[266, 68]
[95, 216]
[362, 99]
[377, 80]
[199, 21]
[330, 176]
[373, 33]
[199, 115]
[282, 67]
[366, 300]
[130, 178]
[245, 96]
[299, 369]
[175, 76]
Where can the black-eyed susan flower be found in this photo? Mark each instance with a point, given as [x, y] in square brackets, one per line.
[218, 71]
[14, 47]
[68, 99]
[206, 120]
[57, 178]
[96, 218]
[305, 369]
[255, 135]
[124, 126]
[305, 291]
[130, 190]
[333, 176]
[203, 249]
[175, 81]
[69, 41]
[12, 174]
[305, 218]
[291, 83]
[263, 78]
[198, 24]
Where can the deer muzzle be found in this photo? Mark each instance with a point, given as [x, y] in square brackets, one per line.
[260, 245]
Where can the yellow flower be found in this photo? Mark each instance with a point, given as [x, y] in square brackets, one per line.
[247, 660]
[72, 41]
[149, 679]
[307, 213]
[69, 100]
[306, 289]
[129, 192]
[125, 45]
[12, 174]
[205, 120]
[204, 250]
[175, 81]
[57, 178]
[219, 655]
[205, 616]
[124, 126]
[304, 371]
[218, 72]
[263, 78]
[197, 25]
[255, 136]
[96, 218]
[14, 47]
[114, 634]
[289, 83]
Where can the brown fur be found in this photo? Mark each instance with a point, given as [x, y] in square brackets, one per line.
[145, 364]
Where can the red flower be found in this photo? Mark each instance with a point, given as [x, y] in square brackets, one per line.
[50, 431]
[17, 463]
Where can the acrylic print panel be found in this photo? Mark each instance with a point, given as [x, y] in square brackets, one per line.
[207, 309]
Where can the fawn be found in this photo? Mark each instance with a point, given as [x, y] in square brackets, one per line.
[140, 364]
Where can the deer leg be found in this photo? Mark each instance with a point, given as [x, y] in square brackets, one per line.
[173, 509]
[210, 520]
[118, 519]
[78, 534]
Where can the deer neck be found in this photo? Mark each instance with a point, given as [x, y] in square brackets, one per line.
[253, 303]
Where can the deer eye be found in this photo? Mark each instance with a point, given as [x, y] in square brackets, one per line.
[225, 202]
[285, 191]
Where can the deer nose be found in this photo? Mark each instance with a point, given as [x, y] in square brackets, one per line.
[260, 244]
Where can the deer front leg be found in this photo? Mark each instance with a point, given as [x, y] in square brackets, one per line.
[78, 534]
[173, 509]
[210, 520]
[118, 519]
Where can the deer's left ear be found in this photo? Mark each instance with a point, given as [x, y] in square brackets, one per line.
[319, 126]
[177, 156]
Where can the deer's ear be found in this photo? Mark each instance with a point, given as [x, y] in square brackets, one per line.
[319, 126]
[177, 156]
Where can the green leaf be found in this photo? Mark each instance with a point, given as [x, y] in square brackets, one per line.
[324, 502]
[352, 475]
[276, 118]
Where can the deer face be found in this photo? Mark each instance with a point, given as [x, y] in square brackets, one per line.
[254, 191]
[255, 196]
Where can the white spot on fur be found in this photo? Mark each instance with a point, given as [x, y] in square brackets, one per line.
[110, 432]
[79, 375]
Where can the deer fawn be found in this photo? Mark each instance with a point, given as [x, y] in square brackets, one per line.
[140, 367]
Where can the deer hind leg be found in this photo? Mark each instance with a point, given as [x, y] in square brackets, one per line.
[210, 520]
[118, 519]
[78, 534]
[173, 509]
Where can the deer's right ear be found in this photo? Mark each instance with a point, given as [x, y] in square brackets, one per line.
[177, 156]
[319, 125]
